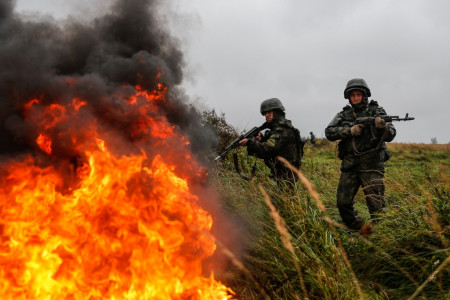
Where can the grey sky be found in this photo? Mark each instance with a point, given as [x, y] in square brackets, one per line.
[239, 53]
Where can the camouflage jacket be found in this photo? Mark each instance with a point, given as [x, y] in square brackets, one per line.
[282, 139]
[360, 153]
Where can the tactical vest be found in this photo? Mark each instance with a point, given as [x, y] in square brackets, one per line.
[295, 141]
[364, 142]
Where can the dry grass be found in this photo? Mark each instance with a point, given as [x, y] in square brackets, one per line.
[305, 249]
[423, 147]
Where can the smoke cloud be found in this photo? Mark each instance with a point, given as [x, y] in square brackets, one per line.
[54, 61]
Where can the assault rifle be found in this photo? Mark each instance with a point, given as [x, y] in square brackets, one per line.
[370, 121]
[253, 132]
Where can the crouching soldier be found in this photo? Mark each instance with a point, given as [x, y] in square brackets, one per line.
[282, 139]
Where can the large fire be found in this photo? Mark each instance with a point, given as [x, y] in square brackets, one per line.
[104, 225]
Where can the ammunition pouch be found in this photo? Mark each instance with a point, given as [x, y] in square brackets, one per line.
[342, 152]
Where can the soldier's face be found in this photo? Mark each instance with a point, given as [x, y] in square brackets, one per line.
[269, 116]
[356, 96]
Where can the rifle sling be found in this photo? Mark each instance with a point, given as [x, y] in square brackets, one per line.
[357, 153]
[238, 169]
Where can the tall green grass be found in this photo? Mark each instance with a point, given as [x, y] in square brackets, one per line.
[297, 247]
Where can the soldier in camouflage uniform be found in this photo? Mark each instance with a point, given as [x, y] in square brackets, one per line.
[363, 152]
[282, 139]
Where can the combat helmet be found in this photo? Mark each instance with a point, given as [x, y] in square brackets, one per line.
[356, 84]
[271, 104]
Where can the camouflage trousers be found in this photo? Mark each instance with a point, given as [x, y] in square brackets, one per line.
[373, 187]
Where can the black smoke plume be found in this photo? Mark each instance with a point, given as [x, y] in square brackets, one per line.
[55, 61]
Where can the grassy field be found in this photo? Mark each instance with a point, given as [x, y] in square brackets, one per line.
[296, 246]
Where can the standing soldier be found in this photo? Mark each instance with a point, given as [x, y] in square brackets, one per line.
[282, 139]
[363, 152]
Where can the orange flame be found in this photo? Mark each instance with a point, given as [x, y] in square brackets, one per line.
[45, 143]
[130, 228]
[77, 103]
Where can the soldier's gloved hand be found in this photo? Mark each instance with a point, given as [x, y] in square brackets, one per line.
[356, 129]
[380, 123]
[259, 136]
[243, 142]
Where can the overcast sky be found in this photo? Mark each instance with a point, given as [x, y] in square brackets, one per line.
[239, 53]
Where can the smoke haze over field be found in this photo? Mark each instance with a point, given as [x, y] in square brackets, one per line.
[239, 53]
